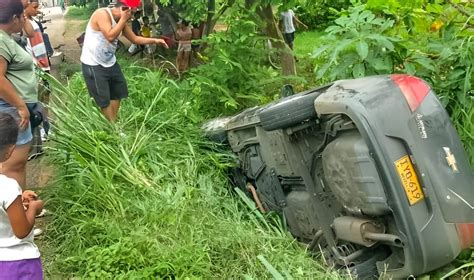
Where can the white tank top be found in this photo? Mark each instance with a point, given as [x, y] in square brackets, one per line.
[96, 49]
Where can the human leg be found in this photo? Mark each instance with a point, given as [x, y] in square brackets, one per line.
[186, 57]
[111, 112]
[289, 38]
[179, 60]
[118, 89]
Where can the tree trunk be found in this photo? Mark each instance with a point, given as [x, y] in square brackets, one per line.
[271, 30]
[211, 12]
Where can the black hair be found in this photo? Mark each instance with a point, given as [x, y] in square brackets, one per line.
[8, 9]
[8, 130]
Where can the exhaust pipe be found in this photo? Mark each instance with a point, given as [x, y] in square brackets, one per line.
[364, 232]
[390, 239]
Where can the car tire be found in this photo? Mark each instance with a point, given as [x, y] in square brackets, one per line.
[215, 130]
[289, 111]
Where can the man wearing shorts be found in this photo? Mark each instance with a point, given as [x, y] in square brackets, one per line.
[287, 22]
[104, 78]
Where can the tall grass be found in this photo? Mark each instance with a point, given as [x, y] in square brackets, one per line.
[154, 203]
[77, 13]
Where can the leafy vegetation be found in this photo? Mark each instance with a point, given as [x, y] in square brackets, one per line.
[80, 13]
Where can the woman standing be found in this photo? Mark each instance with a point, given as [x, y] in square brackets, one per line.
[18, 86]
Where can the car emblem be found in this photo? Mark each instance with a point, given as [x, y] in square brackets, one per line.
[451, 159]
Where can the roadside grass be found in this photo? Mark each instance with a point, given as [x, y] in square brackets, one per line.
[76, 13]
[306, 42]
[156, 202]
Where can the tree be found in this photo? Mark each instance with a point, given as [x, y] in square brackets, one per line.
[212, 11]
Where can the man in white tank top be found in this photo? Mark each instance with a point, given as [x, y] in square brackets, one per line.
[287, 24]
[104, 78]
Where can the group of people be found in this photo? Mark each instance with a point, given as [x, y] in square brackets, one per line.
[183, 35]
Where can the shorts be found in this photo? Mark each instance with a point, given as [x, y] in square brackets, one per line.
[30, 269]
[24, 135]
[105, 83]
[289, 38]
[184, 47]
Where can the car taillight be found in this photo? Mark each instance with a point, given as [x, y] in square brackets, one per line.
[466, 235]
[413, 88]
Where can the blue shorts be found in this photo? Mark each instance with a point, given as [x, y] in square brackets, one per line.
[24, 135]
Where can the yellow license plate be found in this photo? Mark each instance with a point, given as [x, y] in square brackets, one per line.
[409, 180]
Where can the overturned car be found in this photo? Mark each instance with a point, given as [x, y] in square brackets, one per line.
[371, 170]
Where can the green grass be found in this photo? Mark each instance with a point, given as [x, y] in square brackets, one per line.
[76, 13]
[306, 42]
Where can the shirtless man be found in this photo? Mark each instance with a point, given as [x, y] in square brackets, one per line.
[104, 78]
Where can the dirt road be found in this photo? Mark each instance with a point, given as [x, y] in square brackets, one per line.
[63, 34]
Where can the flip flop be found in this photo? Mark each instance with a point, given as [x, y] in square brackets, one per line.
[43, 212]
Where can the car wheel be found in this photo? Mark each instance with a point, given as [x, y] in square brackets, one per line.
[289, 111]
[215, 129]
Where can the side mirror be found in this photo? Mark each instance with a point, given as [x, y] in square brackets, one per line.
[287, 90]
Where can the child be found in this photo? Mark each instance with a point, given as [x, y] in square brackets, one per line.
[146, 32]
[19, 256]
[184, 35]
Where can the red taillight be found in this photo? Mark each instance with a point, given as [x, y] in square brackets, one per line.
[414, 89]
[466, 235]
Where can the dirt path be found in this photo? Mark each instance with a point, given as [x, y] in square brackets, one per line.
[62, 35]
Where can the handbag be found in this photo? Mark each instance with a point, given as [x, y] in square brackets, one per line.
[36, 114]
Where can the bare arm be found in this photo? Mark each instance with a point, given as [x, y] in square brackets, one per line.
[299, 22]
[128, 33]
[22, 222]
[28, 29]
[10, 95]
[102, 23]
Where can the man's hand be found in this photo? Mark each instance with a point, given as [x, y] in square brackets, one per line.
[126, 14]
[24, 116]
[161, 42]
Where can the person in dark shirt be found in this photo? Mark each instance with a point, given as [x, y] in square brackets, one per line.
[136, 26]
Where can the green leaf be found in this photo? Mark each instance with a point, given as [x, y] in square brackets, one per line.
[362, 49]
[379, 64]
[409, 68]
[359, 70]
